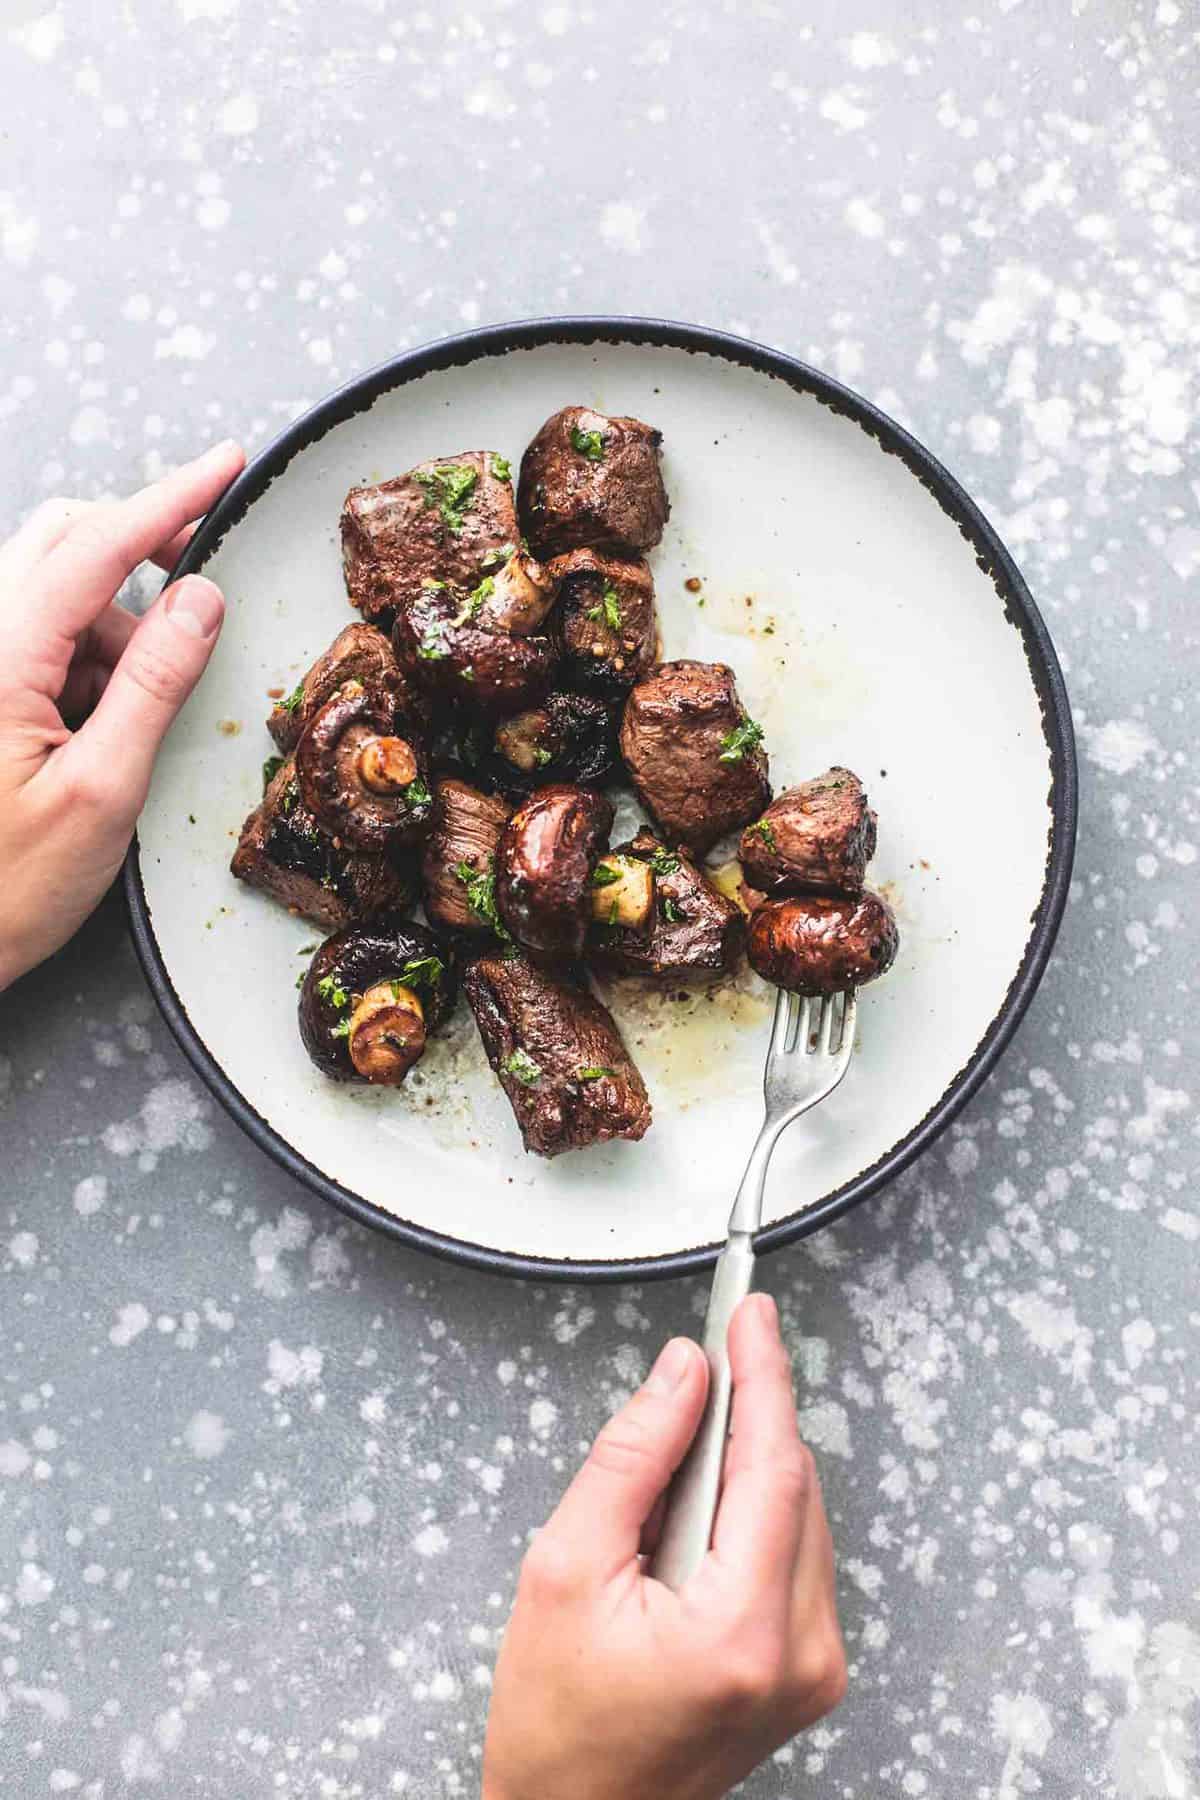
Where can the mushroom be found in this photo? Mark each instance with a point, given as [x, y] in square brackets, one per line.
[359, 653]
[455, 655]
[569, 737]
[544, 863]
[609, 623]
[372, 996]
[816, 837]
[822, 943]
[359, 776]
[622, 892]
[516, 598]
[463, 842]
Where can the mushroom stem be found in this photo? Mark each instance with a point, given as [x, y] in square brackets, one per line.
[519, 739]
[387, 1033]
[622, 889]
[387, 764]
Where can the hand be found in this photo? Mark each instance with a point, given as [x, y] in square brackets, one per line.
[69, 799]
[611, 1687]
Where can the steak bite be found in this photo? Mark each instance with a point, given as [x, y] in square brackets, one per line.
[455, 655]
[607, 621]
[371, 998]
[821, 944]
[450, 520]
[567, 737]
[359, 653]
[693, 754]
[463, 843]
[283, 852]
[362, 770]
[693, 928]
[816, 837]
[588, 479]
[558, 1055]
[544, 862]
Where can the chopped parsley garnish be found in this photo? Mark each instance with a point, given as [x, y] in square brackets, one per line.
[501, 468]
[341, 1029]
[744, 737]
[292, 703]
[492, 558]
[663, 862]
[541, 757]
[451, 488]
[270, 770]
[417, 794]
[331, 990]
[766, 831]
[468, 674]
[594, 1074]
[481, 896]
[431, 586]
[420, 972]
[432, 646]
[588, 443]
[474, 600]
[671, 912]
[523, 1067]
[603, 875]
[609, 609]
[289, 797]
[301, 978]
[307, 949]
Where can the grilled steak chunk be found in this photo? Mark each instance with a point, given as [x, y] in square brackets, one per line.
[450, 520]
[544, 863]
[694, 929]
[818, 944]
[283, 851]
[465, 836]
[694, 756]
[359, 653]
[558, 1054]
[607, 619]
[816, 837]
[588, 479]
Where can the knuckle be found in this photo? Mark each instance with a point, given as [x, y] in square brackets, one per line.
[819, 1674]
[151, 670]
[548, 1573]
[55, 514]
[88, 787]
[750, 1675]
[622, 1449]
[795, 1472]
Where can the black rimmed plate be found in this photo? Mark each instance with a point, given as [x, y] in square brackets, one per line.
[873, 619]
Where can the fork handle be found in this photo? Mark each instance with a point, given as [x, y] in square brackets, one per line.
[693, 1494]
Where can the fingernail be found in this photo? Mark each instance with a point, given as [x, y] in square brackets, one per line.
[674, 1360]
[764, 1305]
[224, 447]
[195, 606]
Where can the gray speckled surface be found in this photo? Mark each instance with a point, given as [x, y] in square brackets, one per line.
[264, 1480]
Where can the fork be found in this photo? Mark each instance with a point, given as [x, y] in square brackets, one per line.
[811, 1045]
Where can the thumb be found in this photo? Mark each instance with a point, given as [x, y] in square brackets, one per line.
[157, 670]
[601, 1515]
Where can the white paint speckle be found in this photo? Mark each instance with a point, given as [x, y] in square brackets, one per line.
[238, 115]
[623, 227]
[206, 1435]
[132, 1320]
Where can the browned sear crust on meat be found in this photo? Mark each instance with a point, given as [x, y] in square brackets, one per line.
[696, 930]
[558, 1056]
[695, 758]
[817, 837]
[589, 479]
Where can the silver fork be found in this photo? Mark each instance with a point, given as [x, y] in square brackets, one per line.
[811, 1045]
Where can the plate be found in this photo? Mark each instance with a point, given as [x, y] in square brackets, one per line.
[872, 617]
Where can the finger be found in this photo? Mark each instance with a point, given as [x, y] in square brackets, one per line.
[768, 1471]
[46, 526]
[102, 548]
[104, 640]
[161, 665]
[602, 1513]
[168, 554]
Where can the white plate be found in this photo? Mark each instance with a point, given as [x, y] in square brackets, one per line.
[872, 619]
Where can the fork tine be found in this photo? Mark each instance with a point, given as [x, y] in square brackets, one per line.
[824, 1031]
[798, 1035]
[849, 1023]
[784, 1006]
